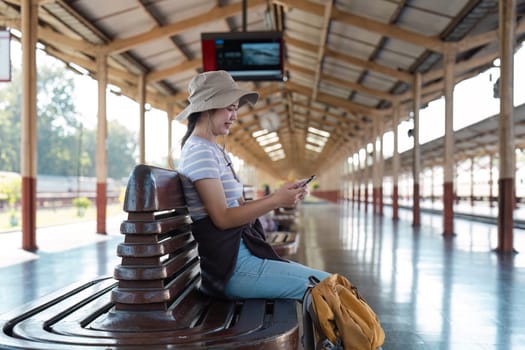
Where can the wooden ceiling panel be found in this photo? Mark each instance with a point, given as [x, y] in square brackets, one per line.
[353, 40]
[344, 71]
[427, 21]
[177, 11]
[380, 10]
[365, 100]
[378, 82]
[119, 19]
[303, 80]
[444, 8]
[297, 60]
[159, 54]
[335, 90]
[302, 32]
[96, 10]
[404, 51]
[298, 20]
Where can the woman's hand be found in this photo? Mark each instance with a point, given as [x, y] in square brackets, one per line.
[288, 195]
[305, 193]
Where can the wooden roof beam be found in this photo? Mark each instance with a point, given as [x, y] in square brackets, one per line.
[390, 31]
[345, 83]
[389, 72]
[178, 68]
[322, 46]
[340, 118]
[331, 100]
[214, 14]
[478, 40]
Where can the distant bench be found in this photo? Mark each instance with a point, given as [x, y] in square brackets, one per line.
[286, 219]
[285, 240]
[285, 243]
[156, 302]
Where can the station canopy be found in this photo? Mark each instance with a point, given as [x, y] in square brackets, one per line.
[346, 62]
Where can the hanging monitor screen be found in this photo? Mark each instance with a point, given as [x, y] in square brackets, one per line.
[245, 55]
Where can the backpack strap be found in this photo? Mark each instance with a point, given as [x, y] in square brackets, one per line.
[313, 337]
[314, 281]
[308, 337]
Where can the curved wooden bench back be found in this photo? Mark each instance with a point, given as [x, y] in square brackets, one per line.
[159, 253]
[153, 189]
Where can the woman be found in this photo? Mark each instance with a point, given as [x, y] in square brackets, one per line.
[236, 261]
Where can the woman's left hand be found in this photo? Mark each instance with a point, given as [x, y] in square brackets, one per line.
[302, 195]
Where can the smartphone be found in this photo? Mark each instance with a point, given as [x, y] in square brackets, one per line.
[307, 181]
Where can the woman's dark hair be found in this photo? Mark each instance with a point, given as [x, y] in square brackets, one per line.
[192, 120]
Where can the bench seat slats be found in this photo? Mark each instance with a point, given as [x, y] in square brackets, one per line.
[139, 250]
[212, 330]
[285, 243]
[161, 271]
[146, 296]
[148, 227]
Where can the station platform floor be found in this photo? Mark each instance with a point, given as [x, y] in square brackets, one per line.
[430, 292]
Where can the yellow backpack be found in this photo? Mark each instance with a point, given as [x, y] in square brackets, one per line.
[341, 318]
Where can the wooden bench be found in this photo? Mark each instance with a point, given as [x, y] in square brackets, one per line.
[284, 241]
[248, 192]
[153, 301]
[286, 219]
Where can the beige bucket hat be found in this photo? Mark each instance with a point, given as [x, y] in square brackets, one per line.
[214, 90]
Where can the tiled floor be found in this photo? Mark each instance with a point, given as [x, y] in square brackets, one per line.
[67, 254]
[429, 292]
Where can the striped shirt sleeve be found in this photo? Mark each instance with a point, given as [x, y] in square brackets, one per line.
[203, 160]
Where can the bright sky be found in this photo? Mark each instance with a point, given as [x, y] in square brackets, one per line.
[473, 101]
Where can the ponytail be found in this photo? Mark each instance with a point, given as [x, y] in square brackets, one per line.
[192, 121]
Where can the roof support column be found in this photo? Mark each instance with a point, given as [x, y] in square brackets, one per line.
[507, 19]
[142, 117]
[416, 221]
[395, 164]
[472, 170]
[352, 179]
[448, 166]
[432, 192]
[102, 131]
[491, 180]
[375, 166]
[367, 174]
[360, 176]
[381, 163]
[169, 115]
[29, 13]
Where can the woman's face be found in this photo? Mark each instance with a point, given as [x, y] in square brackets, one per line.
[221, 120]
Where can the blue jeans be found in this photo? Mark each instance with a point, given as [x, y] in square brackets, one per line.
[258, 278]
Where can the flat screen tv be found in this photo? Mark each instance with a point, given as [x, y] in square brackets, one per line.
[245, 55]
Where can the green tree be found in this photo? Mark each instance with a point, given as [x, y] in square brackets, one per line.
[121, 148]
[89, 152]
[65, 147]
[10, 186]
[58, 123]
[10, 112]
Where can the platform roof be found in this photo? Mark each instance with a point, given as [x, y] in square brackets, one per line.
[347, 61]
